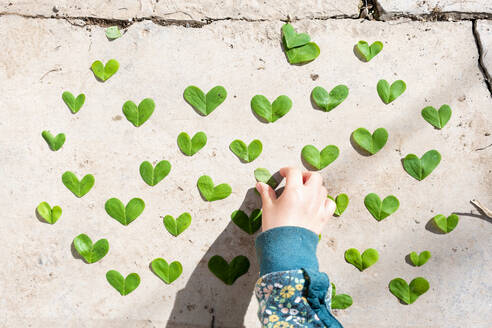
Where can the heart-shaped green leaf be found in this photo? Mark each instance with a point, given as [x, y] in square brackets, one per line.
[205, 104]
[246, 153]
[79, 188]
[340, 301]
[303, 54]
[47, 213]
[317, 159]
[228, 272]
[368, 258]
[293, 39]
[74, 104]
[211, 192]
[420, 168]
[124, 285]
[54, 143]
[381, 210]
[191, 146]
[408, 294]
[328, 101]
[249, 224]
[177, 226]
[370, 143]
[437, 118]
[138, 115]
[90, 252]
[420, 259]
[368, 52]
[271, 112]
[104, 72]
[446, 224]
[153, 176]
[263, 175]
[124, 215]
[167, 272]
[342, 202]
[387, 93]
[112, 32]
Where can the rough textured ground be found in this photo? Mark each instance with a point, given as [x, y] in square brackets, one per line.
[45, 285]
[186, 10]
[460, 8]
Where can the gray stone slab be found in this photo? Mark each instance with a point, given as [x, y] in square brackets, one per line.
[44, 285]
[185, 10]
[455, 8]
[484, 31]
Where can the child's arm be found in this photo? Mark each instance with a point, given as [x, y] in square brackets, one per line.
[291, 290]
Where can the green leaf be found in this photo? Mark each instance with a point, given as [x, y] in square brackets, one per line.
[420, 259]
[263, 175]
[177, 226]
[124, 285]
[228, 272]
[342, 202]
[317, 159]
[378, 209]
[54, 143]
[205, 104]
[246, 153]
[271, 112]
[153, 176]
[421, 168]
[124, 215]
[328, 101]
[210, 192]
[292, 38]
[113, 32]
[408, 294]
[437, 118]
[167, 272]
[138, 115]
[340, 301]
[303, 54]
[191, 146]
[79, 188]
[74, 104]
[446, 224]
[249, 224]
[368, 52]
[104, 72]
[90, 252]
[47, 213]
[370, 143]
[369, 257]
[387, 93]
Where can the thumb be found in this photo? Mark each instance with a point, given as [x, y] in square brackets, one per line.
[330, 207]
[266, 192]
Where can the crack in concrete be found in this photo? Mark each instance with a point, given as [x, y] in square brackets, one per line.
[369, 9]
[435, 15]
[486, 74]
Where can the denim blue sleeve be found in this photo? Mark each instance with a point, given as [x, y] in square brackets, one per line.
[291, 291]
[286, 248]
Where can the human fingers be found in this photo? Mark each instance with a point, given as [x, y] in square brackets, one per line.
[266, 192]
[293, 177]
[312, 179]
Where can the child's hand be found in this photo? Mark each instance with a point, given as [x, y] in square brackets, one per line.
[303, 202]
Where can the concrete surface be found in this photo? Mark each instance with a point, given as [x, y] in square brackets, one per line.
[459, 8]
[44, 285]
[484, 33]
[184, 10]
